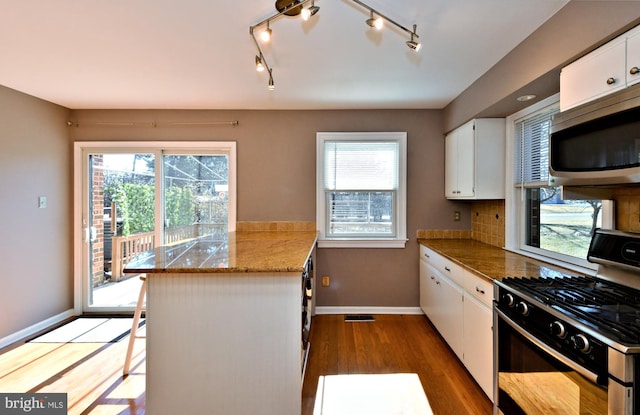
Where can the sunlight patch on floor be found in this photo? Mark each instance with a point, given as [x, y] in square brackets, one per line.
[379, 394]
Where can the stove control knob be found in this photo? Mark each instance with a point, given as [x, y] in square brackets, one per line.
[522, 308]
[581, 343]
[557, 329]
[508, 300]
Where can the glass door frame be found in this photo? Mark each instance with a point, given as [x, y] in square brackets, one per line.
[81, 228]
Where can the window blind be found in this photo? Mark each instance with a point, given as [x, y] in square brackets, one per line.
[361, 165]
[532, 139]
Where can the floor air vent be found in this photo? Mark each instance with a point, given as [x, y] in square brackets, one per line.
[359, 318]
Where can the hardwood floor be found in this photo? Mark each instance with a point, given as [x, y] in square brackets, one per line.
[392, 344]
[91, 373]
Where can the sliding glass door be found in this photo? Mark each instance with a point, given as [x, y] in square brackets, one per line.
[196, 195]
[121, 223]
[132, 201]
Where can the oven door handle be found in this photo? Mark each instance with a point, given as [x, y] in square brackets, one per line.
[549, 350]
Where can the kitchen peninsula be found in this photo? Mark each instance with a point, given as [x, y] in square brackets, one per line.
[224, 323]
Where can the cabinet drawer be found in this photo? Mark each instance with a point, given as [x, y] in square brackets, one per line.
[447, 267]
[479, 287]
[426, 254]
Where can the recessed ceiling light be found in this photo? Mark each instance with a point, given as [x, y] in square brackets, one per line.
[526, 97]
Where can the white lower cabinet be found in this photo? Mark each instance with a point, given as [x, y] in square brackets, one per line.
[441, 300]
[478, 343]
[462, 315]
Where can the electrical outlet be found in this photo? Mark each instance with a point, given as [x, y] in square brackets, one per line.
[456, 215]
[326, 280]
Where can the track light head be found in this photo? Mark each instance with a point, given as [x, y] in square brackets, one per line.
[266, 34]
[375, 22]
[259, 64]
[307, 13]
[272, 86]
[412, 43]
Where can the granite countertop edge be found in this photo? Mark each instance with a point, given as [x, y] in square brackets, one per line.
[491, 262]
[247, 252]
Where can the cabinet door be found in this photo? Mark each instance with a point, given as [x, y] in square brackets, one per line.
[478, 343]
[427, 287]
[466, 160]
[451, 165]
[599, 73]
[449, 313]
[633, 58]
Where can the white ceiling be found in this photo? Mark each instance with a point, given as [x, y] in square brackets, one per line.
[197, 54]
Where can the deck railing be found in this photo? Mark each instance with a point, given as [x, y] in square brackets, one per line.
[125, 248]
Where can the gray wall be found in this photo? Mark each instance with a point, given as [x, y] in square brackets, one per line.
[35, 248]
[276, 182]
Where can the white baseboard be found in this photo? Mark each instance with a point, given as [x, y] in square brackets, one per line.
[19, 335]
[367, 310]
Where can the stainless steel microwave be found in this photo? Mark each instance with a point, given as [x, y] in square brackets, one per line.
[597, 143]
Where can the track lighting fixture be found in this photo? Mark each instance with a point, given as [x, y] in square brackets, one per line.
[375, 22]
[272, 86]
[295, 7]
[286, 7]
[312, 10]
[259, 65]
[413, 44]
[266, 34]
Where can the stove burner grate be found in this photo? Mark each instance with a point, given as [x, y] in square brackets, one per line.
[608, 307]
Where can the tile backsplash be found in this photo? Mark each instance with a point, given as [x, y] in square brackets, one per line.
[488, 219]
[250, 226]
[487, 225]
[487, 222]
[443, 234]
[627, 209]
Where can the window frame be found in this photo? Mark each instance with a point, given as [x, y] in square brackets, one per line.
[515, 223]
[400, 203]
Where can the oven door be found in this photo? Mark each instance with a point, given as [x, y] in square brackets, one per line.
[531, 378]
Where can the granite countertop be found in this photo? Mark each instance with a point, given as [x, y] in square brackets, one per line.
[492, 262]
[233, 252]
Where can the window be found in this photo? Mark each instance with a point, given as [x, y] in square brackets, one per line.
[361, 189]
[546, 224]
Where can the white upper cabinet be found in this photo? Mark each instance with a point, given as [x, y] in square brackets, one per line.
[633, 57]
[610, 68]
[475, 160]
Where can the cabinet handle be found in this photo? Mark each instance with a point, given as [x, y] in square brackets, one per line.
[634, 70]
[437, 282]
[433, 278]
[427, 255]
[447, 269]
[611, 81]
[478, 290]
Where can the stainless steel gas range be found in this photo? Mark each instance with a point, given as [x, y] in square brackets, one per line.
[571, 345]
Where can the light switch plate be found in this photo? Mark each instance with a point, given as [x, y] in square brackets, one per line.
[42, 202]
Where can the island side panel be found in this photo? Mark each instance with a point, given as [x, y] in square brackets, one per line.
[223, 344]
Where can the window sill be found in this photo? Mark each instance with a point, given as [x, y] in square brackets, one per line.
[588, 269]
[362, 243]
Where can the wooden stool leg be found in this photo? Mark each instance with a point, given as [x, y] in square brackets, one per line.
[134, 326]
